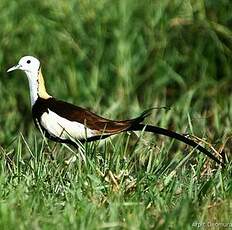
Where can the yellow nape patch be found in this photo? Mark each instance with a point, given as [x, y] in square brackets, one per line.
[41, 86]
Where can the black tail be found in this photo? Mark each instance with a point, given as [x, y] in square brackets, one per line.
[177, 136]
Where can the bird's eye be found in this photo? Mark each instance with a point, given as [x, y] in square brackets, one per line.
[28, 61]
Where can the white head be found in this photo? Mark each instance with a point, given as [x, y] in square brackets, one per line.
[28, 64]
[31, 66]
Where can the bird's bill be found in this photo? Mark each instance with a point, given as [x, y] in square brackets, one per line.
[13, 68]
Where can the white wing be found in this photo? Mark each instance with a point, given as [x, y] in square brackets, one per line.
[62, 128]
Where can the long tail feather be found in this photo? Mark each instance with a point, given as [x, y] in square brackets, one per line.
[147, 113]
[177, 136]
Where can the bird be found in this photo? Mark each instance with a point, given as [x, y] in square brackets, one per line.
[67, 123]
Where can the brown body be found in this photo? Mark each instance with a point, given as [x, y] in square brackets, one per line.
[102, 127]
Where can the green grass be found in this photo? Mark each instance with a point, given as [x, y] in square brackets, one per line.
[118, 58]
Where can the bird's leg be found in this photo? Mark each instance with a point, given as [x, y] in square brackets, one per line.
[71, 160]
[75, 155]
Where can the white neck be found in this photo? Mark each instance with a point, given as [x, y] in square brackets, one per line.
[36, 85]
[33, 86]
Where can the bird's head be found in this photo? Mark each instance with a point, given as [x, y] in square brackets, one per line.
[31, 66]
[28, 64]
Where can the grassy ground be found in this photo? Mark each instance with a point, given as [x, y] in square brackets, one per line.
[118, 58]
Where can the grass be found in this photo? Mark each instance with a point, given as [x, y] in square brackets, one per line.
[118, 58]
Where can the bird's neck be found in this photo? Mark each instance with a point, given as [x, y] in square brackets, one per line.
[37, 86]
